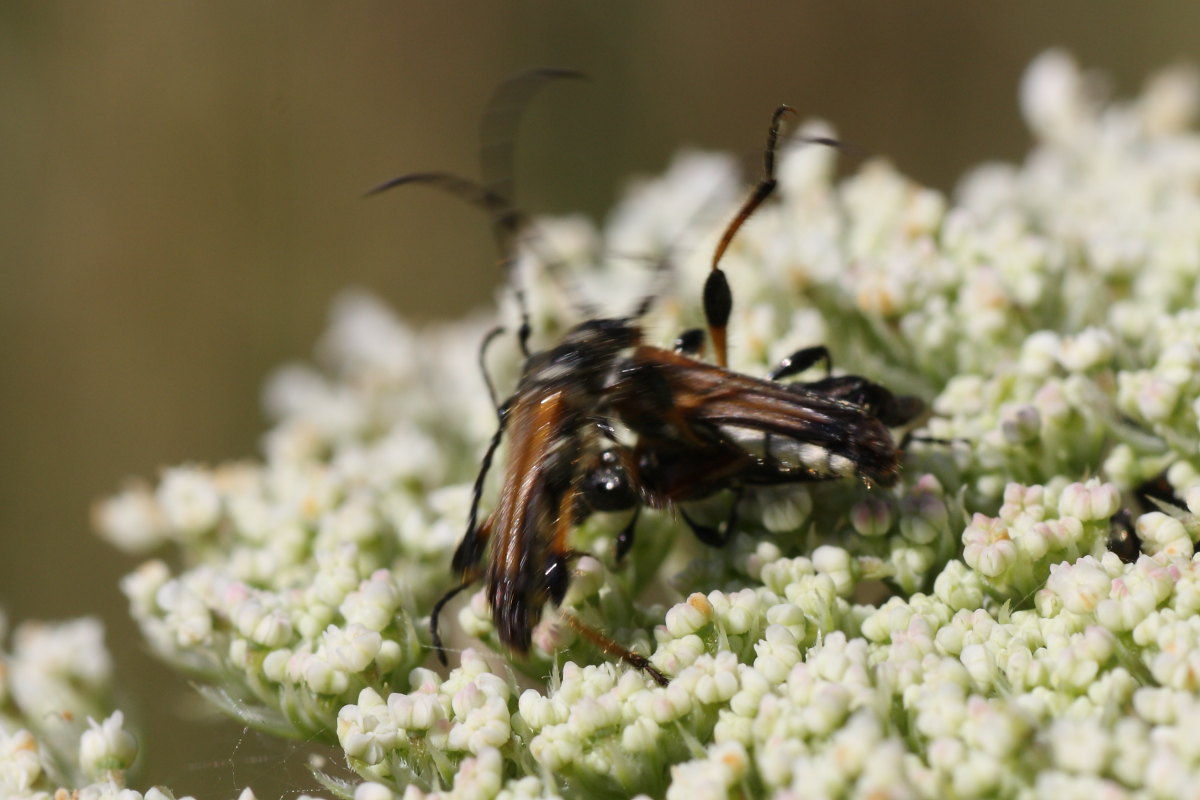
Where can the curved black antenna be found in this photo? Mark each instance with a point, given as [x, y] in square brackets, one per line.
[498, 126]
[497, 144]
[497, 159]
[494, 193]
[506, 220]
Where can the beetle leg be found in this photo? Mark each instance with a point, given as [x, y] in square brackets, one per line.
[801, 360]
[613, 649]
[716, 537]
[690, 342]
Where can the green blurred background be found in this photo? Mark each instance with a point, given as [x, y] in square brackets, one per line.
[181, 200]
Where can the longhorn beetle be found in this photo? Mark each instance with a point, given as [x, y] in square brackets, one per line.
[553, 422]
[700, 428]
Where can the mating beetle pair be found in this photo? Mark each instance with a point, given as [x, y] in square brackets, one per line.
[698, 428]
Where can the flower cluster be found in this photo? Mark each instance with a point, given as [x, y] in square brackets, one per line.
[792, 691]
[306, 572]
[963, 633]
[54, 683]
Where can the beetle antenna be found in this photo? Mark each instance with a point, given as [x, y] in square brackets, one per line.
[718, 299]
[498, 126]
[494, 194]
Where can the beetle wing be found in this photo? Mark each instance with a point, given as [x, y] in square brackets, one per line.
[532, 515]
[795, 433]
